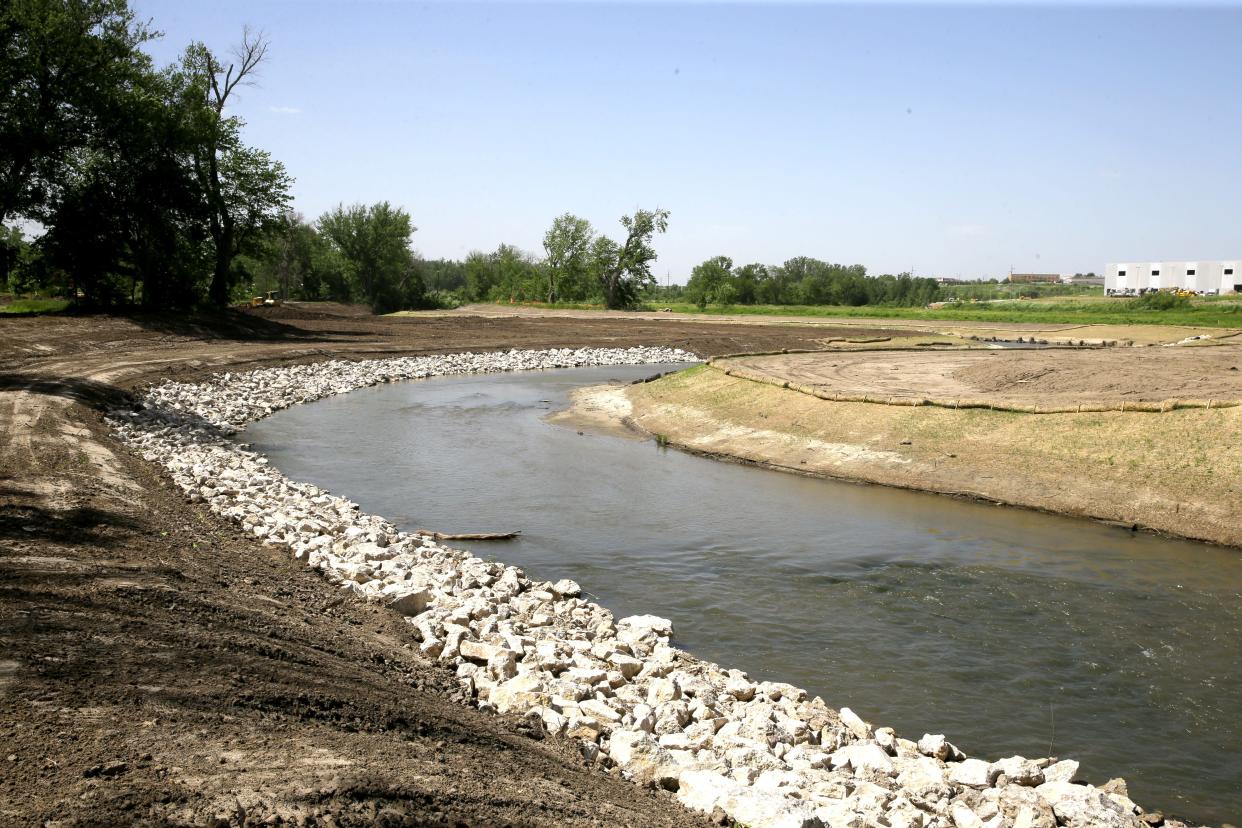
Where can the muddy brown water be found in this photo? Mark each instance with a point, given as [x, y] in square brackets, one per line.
[1010, 631]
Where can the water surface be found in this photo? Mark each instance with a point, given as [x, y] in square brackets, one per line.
[1009, 631]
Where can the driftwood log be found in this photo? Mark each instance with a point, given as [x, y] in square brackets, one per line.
[468, 535]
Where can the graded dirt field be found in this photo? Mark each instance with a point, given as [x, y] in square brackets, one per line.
[1047, 377]
[157, 666]
[844, 327]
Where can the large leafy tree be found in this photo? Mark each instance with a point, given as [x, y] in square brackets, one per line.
[15, 259]
[624, 269]
[129, 220]
[65, 67]
[243, 187]
[748, 281]
[567, 247]
[507, 274]
[710, 282]
[374, 241]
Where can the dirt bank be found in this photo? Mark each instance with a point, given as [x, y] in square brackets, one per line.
[1174, 472]
[157, 666]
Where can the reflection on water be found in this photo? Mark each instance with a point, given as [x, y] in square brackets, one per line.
[1010, 631]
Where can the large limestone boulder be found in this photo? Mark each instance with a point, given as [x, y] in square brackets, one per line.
[863, 756]
[1084, 806]
[855, 724]
[1020, 771]
[644, 628]
[1063, 771]
[643, 759]
[519, 694]
[973, 772]
[935, 746]
[703, 790]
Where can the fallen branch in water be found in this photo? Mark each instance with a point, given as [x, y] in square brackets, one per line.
[468, 535]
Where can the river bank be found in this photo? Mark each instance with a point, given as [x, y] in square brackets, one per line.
[1165, 472]
[762, 753]
[160, 665]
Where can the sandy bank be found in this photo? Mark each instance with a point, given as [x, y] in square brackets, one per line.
[599, 409]
[1175, 472]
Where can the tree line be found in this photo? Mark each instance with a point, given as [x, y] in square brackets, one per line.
[579, 265]
[147, 194]
[803, 281]
[143, 185]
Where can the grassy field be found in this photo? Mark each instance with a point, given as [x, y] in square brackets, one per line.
[34, 306]
[1069, 312]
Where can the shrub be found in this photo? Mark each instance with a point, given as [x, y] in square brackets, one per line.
[1161, 301]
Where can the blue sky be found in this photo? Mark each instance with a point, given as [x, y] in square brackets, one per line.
[954, 140]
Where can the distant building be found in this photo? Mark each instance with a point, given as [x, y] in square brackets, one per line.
[949, 280]
[1028, 278]
[1082, 279]
[1207, 278]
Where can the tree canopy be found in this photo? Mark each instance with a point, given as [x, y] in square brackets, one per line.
[625, 269]
[803, 280]
[374, 243]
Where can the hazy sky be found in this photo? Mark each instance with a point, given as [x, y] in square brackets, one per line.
[955, 140]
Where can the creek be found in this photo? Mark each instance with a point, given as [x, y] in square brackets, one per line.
[1009, 631]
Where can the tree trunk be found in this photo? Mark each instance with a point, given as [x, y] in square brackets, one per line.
[218, 293]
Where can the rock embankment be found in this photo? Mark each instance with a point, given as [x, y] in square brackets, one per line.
[762, 753]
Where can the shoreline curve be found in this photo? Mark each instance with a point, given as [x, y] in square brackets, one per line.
[761, 752]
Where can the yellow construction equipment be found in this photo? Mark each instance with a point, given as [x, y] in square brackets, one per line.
[271, 299]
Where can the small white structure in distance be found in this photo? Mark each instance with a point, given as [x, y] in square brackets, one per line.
[1206, 278]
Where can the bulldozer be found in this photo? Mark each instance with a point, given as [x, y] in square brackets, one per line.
[271, 299]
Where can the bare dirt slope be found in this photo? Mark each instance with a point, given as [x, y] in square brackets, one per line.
[156, 666]
[1052, 377]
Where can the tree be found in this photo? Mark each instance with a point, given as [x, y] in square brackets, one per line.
[481, 276]
[128, 220]
[517, 274]
[708, 280]
[445, 276]
[63, 66]
[625, 269]
[375, 244]
[567, 245]
[243, 187]
[16, 255]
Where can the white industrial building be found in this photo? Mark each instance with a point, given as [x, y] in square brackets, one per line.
[1206, 278]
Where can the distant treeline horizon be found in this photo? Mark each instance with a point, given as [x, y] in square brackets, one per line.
[149, 196]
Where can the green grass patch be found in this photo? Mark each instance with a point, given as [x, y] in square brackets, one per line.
[1114, 312]
[35, 306]
[679, 379]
